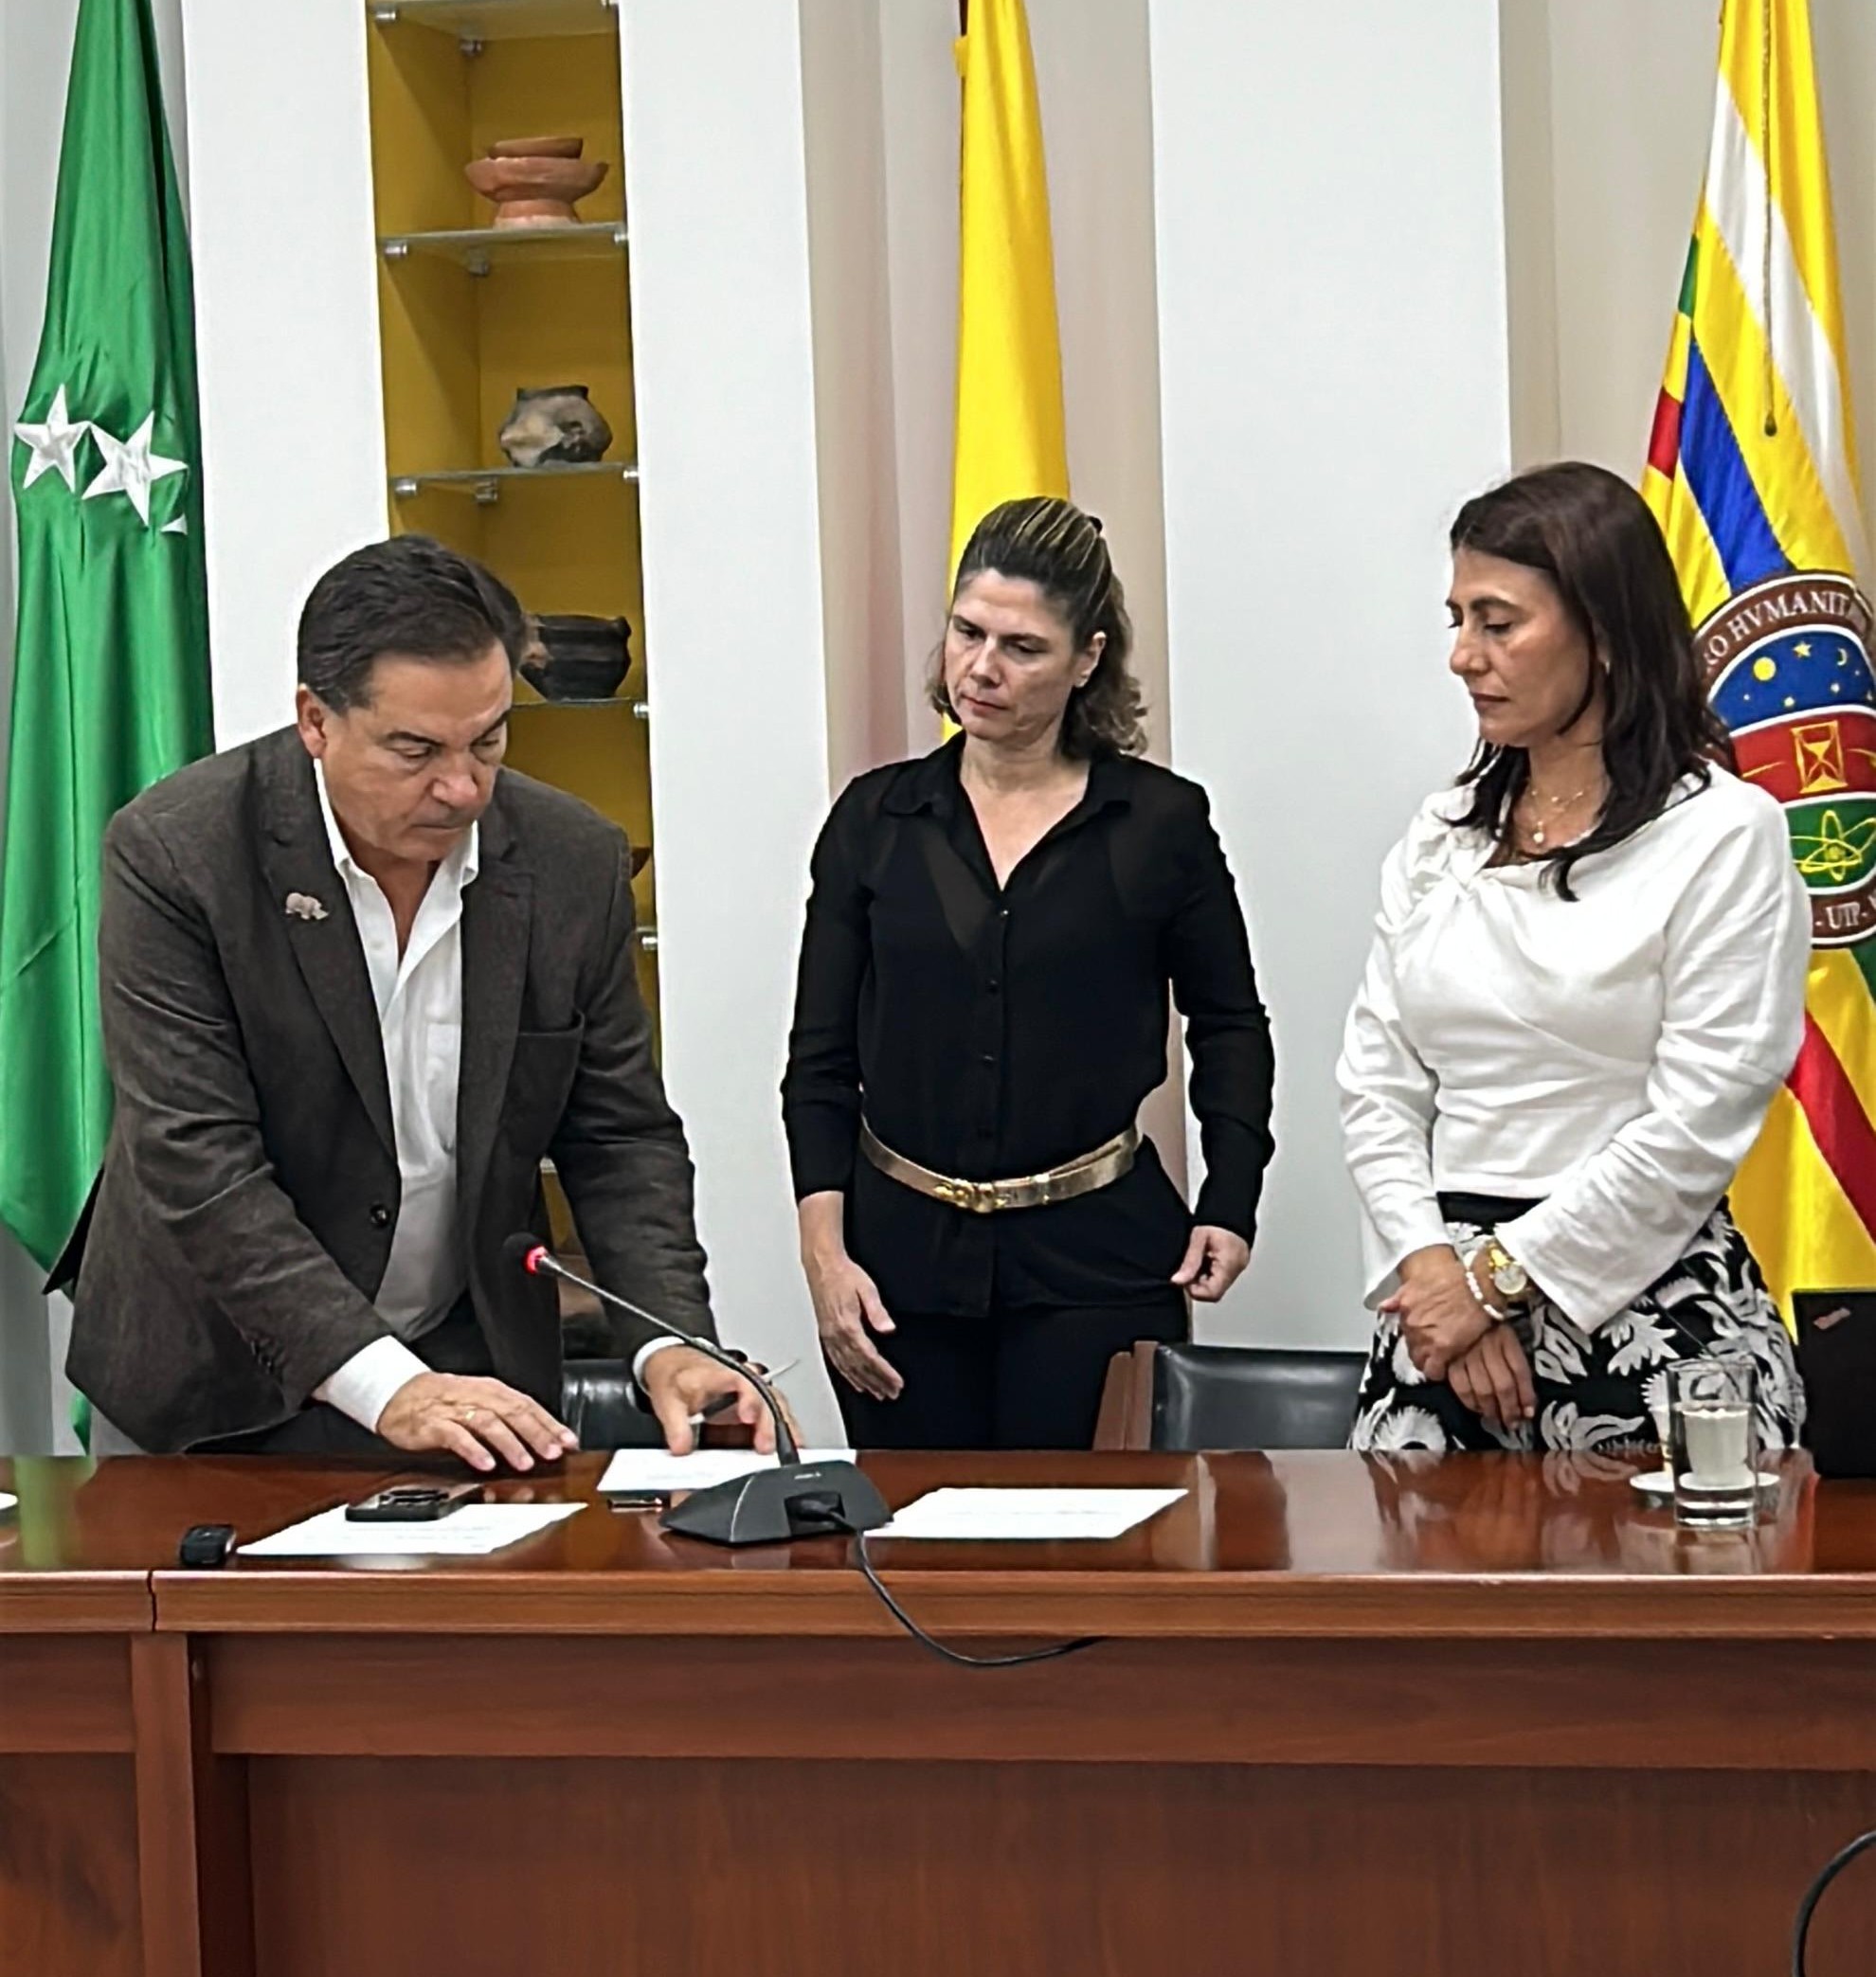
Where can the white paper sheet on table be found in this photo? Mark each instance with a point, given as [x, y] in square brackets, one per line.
[974, 1514]
[657, 1470]
[472, 1532]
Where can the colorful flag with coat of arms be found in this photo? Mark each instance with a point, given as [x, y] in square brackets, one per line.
[1752, 474]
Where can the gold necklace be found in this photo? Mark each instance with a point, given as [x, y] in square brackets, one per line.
[1536, 831]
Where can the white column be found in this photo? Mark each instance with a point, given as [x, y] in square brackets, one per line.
[287, 324]
[722, 351]
[846, 163]
[919, 94]
[1091, 77]
[1333, 382]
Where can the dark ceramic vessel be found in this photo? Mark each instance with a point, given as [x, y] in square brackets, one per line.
[578, 657]
[554, 425]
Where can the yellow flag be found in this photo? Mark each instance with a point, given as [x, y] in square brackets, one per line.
[1009, 424]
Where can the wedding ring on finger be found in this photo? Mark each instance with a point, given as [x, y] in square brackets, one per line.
[469, 1415]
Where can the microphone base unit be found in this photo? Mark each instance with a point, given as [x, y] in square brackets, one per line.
[771, 1506]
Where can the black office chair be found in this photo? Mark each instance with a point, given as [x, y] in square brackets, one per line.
[596, 1403]
[1230, 1396]
[1237, 1396]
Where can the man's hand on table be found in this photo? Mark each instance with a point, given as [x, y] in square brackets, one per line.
[678, 1382]
[479, 1419]
[484, 1421]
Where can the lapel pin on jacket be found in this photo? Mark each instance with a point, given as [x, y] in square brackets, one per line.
[302, 906]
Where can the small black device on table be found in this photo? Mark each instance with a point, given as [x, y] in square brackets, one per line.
[205, 1547]
[413, 1502]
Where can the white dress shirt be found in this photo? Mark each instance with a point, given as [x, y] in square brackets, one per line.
[1610, 1058]
[419, 995]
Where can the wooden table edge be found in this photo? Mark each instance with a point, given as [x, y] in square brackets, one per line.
[823, 1603]
[77, 1603]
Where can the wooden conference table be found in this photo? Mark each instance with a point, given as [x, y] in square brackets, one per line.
[1399, 1716]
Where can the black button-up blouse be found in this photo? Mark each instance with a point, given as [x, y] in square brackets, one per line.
[989, 1033]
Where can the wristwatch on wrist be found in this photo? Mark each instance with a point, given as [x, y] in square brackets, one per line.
[1509, 1278]
[1469, 1257]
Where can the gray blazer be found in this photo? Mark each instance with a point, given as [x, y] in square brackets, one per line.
[227, 1262]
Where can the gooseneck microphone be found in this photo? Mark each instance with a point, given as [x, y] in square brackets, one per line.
[768, 1506]
[540, 1260]
[793, 1499]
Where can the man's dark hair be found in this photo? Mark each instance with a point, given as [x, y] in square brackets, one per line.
[409, 596]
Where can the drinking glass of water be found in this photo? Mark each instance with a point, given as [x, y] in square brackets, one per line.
[1715, 1439]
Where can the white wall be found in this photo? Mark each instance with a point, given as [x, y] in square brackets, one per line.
[845, 142]
[723, 346]
[1530, 229]
[293, 435]
[1333, 382]
[1097, 127]
[919, 96]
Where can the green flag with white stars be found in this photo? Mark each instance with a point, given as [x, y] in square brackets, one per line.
[110, 657]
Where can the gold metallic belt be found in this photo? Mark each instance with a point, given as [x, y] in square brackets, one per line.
[1082, 1176]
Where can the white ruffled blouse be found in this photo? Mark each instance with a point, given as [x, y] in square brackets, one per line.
[1610, 1058]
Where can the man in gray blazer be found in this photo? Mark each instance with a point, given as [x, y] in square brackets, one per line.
[357, 980]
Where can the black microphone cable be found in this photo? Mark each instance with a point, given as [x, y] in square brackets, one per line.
[1815, 1893]
[526, 1249]
[957, 1658]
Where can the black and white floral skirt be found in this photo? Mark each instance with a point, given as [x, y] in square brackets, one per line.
[1590, 1385]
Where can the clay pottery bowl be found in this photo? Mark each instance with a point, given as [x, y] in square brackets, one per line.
[535, 186]
[537, 148]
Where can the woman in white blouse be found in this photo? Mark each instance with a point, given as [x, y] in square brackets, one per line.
[1586, 984]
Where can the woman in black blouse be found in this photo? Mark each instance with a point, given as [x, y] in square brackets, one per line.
[982, 1010]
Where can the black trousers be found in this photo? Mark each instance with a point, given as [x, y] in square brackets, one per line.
[1026, 1377]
